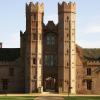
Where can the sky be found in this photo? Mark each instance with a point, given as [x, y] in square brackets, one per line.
[12, 20]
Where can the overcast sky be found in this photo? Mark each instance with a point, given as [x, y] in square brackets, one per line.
[12, 20]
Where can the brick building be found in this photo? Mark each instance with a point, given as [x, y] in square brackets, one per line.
[0, 45]
[48, 58]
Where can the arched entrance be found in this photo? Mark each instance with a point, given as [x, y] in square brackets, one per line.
[50, 84]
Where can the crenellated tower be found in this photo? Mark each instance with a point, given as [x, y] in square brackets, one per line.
[66, 47]
[33, 66]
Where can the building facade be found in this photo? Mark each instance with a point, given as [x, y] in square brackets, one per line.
[48, 58]
[0, 45]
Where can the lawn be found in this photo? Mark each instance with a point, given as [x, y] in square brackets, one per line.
[32, 98]
[16, 98]
[82, 98]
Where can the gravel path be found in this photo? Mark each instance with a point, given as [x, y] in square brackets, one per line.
[49, 98]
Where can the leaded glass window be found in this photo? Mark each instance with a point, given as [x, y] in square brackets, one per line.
[50, 40]
[50, 60]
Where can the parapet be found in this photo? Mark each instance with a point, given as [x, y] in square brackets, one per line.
[67, 7]
[50, 27]
[37, 7]
[96, 63]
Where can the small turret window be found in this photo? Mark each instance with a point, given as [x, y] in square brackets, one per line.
[40, 37]
[67, 64]
[67, 18]
[67, 51]
[34, 36]
[34, 16]
[67, 35]
[34, 60]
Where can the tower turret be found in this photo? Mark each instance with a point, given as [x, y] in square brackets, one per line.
[34, 22]
[66, 47]
[67, 7]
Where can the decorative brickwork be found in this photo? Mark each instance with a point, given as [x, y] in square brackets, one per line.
[48, 58]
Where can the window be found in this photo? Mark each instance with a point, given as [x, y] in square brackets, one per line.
[40, 37]
[67, 51]
[34, 36]
[67, 35]
[66, 28]
[89, 84]
[67, 18]
[67, 64]
[11, 71]
[34, 24]
[88, 71]
[34, 16]
[46, 60]
[34, 77]
[4, 84]
[34, 61]
[40, 61]
[50, 60]
[50, 40]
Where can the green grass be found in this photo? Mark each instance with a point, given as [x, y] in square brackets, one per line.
[82, 98]
[32, 98]
[16, 98]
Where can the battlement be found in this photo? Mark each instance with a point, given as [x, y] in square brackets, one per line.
[67, 7]
[37, 7]
[93, 63]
